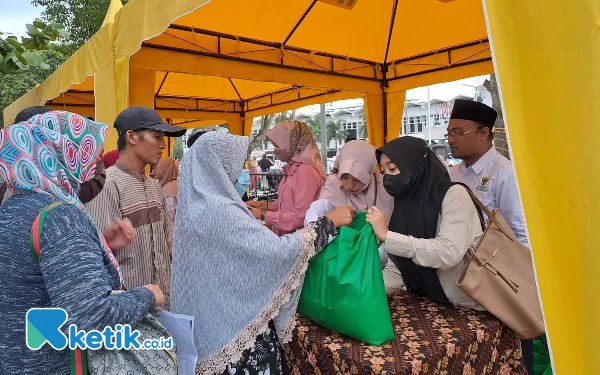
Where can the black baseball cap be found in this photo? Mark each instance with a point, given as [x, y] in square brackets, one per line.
[138, 118]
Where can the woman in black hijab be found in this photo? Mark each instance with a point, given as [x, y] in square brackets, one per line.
[432, 226]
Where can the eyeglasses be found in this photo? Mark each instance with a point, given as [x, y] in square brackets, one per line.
[458, 134]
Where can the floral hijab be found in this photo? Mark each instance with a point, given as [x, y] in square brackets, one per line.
[51, 153]
[296, 138]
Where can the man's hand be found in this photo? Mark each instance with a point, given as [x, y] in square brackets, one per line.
[120, 234]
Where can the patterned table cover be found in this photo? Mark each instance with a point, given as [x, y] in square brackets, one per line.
[430, 339]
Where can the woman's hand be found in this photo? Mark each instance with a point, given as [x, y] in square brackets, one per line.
[341, 216]
[120, 234]
[257, 214]
[259, 205]
[158, 294]
[377, 219]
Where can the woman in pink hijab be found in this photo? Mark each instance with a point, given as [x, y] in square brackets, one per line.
[303, 177]
[356, 184]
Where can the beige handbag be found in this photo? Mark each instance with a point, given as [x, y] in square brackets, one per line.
[498, 274]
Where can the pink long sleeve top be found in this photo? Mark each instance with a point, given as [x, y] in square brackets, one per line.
[301, 185]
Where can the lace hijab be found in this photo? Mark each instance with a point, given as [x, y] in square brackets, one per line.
[229, 271]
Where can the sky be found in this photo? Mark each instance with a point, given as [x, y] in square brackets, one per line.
[442, 91]
[16, 14]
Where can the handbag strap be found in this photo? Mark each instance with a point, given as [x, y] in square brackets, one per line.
[36, 230]
[79, 364]
[483, 208]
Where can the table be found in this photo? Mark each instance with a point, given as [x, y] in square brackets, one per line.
[430, 339]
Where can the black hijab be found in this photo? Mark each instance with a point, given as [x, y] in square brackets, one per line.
[416, 212]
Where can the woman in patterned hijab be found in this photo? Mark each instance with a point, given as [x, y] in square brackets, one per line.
[303, 177]
[52, 153]
[51, 251]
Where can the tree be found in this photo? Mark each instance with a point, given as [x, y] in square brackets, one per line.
[362, 130]
[314, 124]
[336, 132]
[17, 83]
[265, 124]
[82, 18]
[282, 116]
[15, 55]
[177, 152]
[500, 140]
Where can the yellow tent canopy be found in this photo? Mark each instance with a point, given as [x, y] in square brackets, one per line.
[229, 60]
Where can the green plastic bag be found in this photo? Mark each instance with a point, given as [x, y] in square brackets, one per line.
[343, 288]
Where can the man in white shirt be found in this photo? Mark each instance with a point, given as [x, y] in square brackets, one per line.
[489, 174]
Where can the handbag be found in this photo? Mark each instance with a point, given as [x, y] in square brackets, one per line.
[114, 362]
[498, 274]
[134, 361]
[343, 288]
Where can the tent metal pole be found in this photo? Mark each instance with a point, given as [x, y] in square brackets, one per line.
[384, 86]
[323, 134]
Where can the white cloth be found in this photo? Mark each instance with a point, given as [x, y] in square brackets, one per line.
[458, 229]
[493, 181]
[316, 210]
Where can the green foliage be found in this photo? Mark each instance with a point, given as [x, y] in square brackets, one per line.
[362, 130]
[82, 18]
[314, 124]
[177, 152]
[21, 55]
[336, 132]
[17, 83]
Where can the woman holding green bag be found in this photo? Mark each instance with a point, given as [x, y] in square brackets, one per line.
[355, 184]
[46, 161]
[433, 223]
[239, 280]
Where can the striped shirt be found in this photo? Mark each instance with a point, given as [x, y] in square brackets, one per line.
[127, 194]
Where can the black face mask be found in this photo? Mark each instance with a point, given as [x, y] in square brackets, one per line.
[401, 184]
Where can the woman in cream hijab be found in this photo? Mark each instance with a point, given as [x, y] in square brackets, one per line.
[356, 184]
